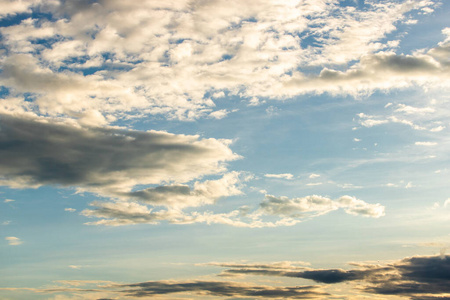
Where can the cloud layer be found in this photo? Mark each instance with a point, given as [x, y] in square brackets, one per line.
[93, 61]
[418, 277]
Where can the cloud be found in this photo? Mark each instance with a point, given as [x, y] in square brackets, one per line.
[447, 203]
[172, 288]
[74, 267]
[418, 277]
[70, 209]
[317, 205]
[8, 200]
[428, 144]
[280, 265]
[13, 241]
[10, 7]
[96, 60]
[179, 196]
[288, 212]
[108, 161]
[280, 176]
[414, 110]
[219, 289]
[312, 176]
[371, 121]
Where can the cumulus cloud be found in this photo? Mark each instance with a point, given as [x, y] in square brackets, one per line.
[100, 59]
[11, 7]
[108, 161]
[13, 241]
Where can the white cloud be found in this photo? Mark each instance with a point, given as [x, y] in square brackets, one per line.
[219, 114]
[163, 57]
[447, 203]
[180, 196]
[428, 144]
[409, 110]
[409, 185]
[13, 241]
[318, 205]
[436, 205]
[74, 267]
[70, 209]
[11, 7]
[287, 211]
[280, 176]
[437, 129]
[313, 175]
[391, 185]
[8, 200]
[314, 183]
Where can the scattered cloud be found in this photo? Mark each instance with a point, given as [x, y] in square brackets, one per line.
[8, 200]
[413, 277]
[74, 267]
[280, 176]
[13, 241]
[318, 205]
[288, 212]
[447, 203]
[313, 175]
[70, 209]
[409, 185]
[417, 277]
[90, 66]
[428, 144]
[409, 110]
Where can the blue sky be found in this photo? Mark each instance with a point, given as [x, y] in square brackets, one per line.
[224, 149]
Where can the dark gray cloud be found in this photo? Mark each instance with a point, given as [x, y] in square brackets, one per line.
[108, 161]
[420, 277]
[220, 289]
[321, 276]
[415, 275]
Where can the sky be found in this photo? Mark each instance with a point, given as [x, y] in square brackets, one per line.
[224, 149]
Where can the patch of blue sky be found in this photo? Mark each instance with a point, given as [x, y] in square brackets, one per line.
[427, 33]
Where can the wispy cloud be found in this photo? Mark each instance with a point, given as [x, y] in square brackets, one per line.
[280, 176]
[13, 241]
